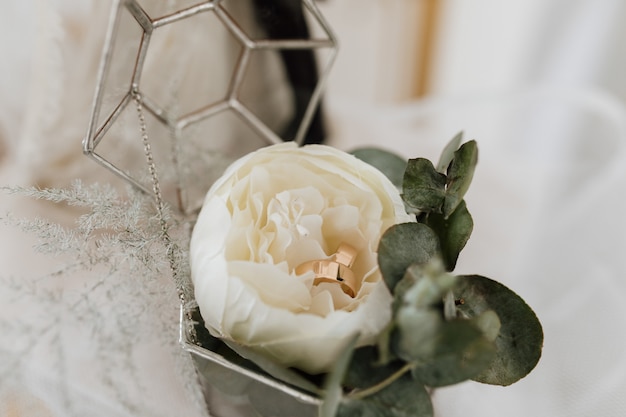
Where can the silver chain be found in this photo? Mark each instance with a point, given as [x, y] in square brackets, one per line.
[160, 205]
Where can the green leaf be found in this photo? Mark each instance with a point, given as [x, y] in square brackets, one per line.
[333, 389]
[383, 342]
[453, 232]
[403, 245]
[448, 152]
[520, 339]
[415, 338]
[461, 352]
[365, 369]
[423, 188]
[460, 174]
[489, 323]
[405, 397]
[449, 306]
[445, 349]
[429, 284]
[390, 164]
[418, 316]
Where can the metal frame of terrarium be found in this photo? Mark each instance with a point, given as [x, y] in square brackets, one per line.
[97, 131]
[99, 127]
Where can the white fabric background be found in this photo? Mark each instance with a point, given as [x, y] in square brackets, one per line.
[540, 85]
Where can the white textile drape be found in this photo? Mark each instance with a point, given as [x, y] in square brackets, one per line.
[547, 198]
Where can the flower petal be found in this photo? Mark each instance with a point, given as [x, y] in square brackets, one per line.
[273, 286]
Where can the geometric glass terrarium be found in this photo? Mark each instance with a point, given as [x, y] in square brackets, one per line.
[210, 76]
[184, 88]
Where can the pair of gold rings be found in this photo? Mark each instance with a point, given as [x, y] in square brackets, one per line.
[336, 269]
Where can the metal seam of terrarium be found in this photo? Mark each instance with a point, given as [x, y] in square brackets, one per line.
[90, 142]
[182, 14]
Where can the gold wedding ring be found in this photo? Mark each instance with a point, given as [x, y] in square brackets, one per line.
[334, 270]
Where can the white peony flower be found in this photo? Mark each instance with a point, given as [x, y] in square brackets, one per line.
[271, 211]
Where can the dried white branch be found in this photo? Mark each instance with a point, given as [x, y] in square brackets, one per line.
[117, 289]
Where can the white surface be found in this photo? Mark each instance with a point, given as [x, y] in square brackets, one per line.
[547, 198]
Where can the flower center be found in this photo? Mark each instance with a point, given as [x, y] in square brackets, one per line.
[334, 270]
[287, 213]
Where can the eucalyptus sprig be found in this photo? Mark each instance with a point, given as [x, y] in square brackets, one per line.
[446, 328]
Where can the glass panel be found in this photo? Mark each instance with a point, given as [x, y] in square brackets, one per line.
[232, 394]
[265, 93]
[208, 147]
[123, 147]
[278, 88]
[273, 19]
[124, 51]
[189, 64]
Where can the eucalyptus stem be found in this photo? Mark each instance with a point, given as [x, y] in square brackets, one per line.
[360, 394]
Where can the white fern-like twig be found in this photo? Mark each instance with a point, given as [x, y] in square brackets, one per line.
[116, 286]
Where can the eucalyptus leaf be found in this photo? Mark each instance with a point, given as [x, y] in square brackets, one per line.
[383, 341]
[274, 369]
[461, 352]
[390, 164]
[403, 245]
[401, 288]
[430, 283]
[423, 188]
[416, 335]
[459, 176]
[489, 323]
[448, 153]
[406, 397]
[417, 310]
[366, 369]
[449, 306]
[520, 339]
[453, 232]
[333, 389]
